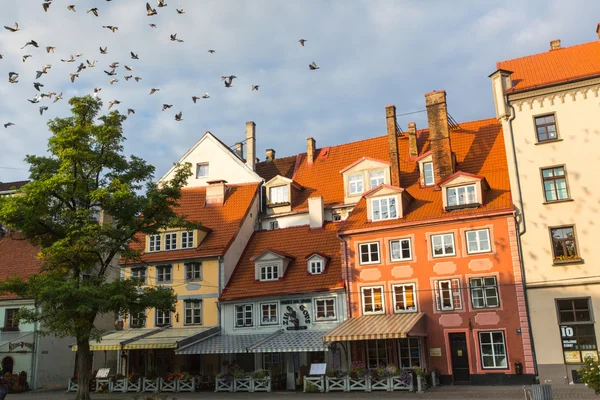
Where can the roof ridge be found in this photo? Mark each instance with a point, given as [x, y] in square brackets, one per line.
[546, 52]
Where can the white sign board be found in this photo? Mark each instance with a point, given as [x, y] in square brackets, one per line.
[318, 369]
[103, 373]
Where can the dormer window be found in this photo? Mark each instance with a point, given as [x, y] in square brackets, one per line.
[428, 178]
[376, 178]
[316, 264]
[170, 241]
[279, 194]
[187, 240]
[355, 184]
[384, 208]
[461, 195]
[269, 272]
[154, 243]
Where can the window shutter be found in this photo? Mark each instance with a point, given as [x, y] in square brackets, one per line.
[438, 304]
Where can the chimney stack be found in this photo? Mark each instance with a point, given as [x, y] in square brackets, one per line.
[413, 149]
[555, 44]
[316, 213]
[439, 135]
[239, 150]
[215, 193]
[311, 150]
[598, 30]
[251, 144]
[270, 154]
[392, 138]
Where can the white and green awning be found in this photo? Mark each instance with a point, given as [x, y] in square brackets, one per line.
[171, 338]
[223, 344]
[291, 342]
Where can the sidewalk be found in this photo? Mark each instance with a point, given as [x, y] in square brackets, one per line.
[446, 392]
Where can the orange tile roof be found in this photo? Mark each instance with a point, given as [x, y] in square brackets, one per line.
[279, 166]
[17, 258]
[479, 150]
[297, 242]
[555, 66]
[223, 222]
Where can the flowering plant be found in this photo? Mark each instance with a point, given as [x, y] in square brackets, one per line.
[357, 370]
[259, 374]
[170, 377]
[117, 377]
[133, 377]
[590, 374]
[389, 371]
[566, 258]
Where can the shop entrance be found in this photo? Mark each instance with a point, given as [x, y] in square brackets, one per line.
[460, 358]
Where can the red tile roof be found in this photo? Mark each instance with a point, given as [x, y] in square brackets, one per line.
[6, 186]
[17, 258]
[555, 66]
[223, 222]
[279, 166]
[297, 242]
[479, 150]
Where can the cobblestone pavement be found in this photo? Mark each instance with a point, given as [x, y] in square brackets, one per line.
[446, 392]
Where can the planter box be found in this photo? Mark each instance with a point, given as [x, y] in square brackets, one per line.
[134, 387]
[102, 382]
[223, 385]
[119, 385]
[73, 386]
[168, 386]
[315, 381]
[261, 384]
[150, 385]
[186, 386]
[421, 383]
[402, 383]
[380, 384]
[358, 384]
[242, 385]
[336, 384]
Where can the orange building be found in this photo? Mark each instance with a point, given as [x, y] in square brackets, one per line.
[432, 271]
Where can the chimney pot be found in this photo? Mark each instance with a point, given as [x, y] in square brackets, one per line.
[413, 149]
[555, 44]
[270, 154]
[439, 135]
[598, 30]
[311, 150]
[316, 213]
[392, 136]
[239, 149]
[215, 192]
[251, 144]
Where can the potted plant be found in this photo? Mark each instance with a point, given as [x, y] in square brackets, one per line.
[224, 382]
[134, 383]
[168, 383]
[73, 384]
[242, 381]
[150, 383]
[435, 377]
[336, 380]
[421, 379]
[118, 383]
[261, 381]
[357, 376]
[186, 382]
[403, 380]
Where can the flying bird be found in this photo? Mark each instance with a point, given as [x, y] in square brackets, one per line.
[73, 76]
[13, 77]
[178, 116]
[103, 50]
[228, 80]
[211, 51]
[205, 96]
[313, 66]
[112, 28]
[128, 77]
[46, 6]
[37, 86]
[161, 3]
[174, 38]
[13, 29]
[30, 43]
[113, 80]
[57, 98]
[93, 11]
[78, 54]
[8, 124]
[1, 57]
[91, 64]
[195, 98]
[165, 106]
[111, 73]
[71, 7]
[302, 41]
[114, 65]
[49, 95]
[255, 87]
[42, 109]
[49, 49]
[151, 11]
[70, 59]
[180, 11]
[35, 100]
[112, 103]
[152, 25]
[128, 68]
[26, 56]
[134, 56]
[96, 91]
[137, 78]
[153, 90]
[130, 111]
[81, 67]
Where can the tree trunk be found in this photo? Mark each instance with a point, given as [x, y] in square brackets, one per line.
[84, 371]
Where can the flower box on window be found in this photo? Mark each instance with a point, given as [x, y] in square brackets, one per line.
[118, 385]
[224, 384]
[380, 383]
[402, 382]
[186, 385]
[261, 384]
[314, 384]
[566, 259]
[358, 384]
[168, 384]
[150, 385]
[242, 384]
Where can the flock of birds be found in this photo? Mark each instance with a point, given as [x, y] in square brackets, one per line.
[111, 71]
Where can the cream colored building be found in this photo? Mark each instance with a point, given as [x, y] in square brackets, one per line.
[548, 104]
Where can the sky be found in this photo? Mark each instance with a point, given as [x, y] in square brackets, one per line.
[371, 53]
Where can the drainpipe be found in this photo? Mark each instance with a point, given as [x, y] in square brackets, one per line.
[521, 233]
[348, 288]
[35, 356]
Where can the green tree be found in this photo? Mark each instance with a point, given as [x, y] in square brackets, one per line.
[590, 374]
[85, 203]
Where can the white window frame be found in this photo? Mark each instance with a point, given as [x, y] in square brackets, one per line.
[198, 167]
[273, 320]
[356, 184]
[443, 237]
[171, 241]
[191, 267]
[400, 241]
[269, 269]
[483, 288]
[316, 266]
[136, 273]
[325, 301]
[164, 316]
[243, 309]
[378, 179]
[279, 194]
[154, 242]
[162, 270]
[451, 287]
[370, 253]
[478, 241]
[430, 182]
[493, 348]
[187, 240]
[141, 316]
[463, 196]
[191, 310]
[274, 225]
[391, 208]
[414, 294]
[372, 291]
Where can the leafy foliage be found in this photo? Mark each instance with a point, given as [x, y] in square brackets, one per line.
[590, 374]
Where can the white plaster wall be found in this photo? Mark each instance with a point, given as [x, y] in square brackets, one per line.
[55, 362]
[286, 221]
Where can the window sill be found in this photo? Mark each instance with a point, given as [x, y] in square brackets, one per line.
[558, 201]
[200, 323]
[275, 205]
[193, 280]
[462, 206]
[548, 141]
[557, 263]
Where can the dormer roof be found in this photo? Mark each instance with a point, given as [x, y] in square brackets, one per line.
[355, 163]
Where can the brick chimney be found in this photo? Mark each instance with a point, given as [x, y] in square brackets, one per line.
[251, 144]
[239, 150]
[392, 138]
[439, 135]
[413, 148]
[598, 30]
[215, 193]
[316, 213]
[270, 154]
[311, 150]
[555, 44]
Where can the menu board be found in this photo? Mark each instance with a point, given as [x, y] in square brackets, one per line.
[572, 356]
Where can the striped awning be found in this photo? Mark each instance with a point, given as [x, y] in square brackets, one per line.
[171, 338]
[223, 344]
[115, 339]
[291, 342]
[371, 327]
